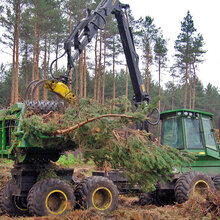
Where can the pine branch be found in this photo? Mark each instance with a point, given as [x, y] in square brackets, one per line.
[67, 130]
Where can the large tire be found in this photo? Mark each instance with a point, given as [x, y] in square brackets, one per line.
[50, 197]
[216, 181]
[192, 184]
[97, 192]
[12, 205]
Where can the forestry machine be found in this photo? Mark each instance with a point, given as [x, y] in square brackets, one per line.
[36, 188]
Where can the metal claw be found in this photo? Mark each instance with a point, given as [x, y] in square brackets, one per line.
[39, 83]
[27, 91]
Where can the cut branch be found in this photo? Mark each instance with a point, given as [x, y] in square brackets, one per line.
[67, 130]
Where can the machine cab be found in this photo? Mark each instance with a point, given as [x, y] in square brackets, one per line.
[190, 130]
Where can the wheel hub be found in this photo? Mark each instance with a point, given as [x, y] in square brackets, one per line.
[200, 188]
[56, 202]
[102, 198]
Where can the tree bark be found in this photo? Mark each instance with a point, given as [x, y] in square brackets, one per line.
[194, 87]
[185, 101]
[26, 65]
[126, 90]
[57, 50]
[37, 76]
[113, 63]
[148, 63]
[34, 43]
[17, 50]
[81, 74]
[95, 78]
[100, 67]
[190, 88]
[13, 66]
[45, 66]
[77, 81]
[70, 31]
[85, 75]
[103, 80]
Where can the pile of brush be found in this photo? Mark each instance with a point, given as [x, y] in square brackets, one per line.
[107, 135]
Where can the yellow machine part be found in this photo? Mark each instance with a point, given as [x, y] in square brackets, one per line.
[62, 90]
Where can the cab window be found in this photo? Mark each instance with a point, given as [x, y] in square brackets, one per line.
[193, 133]
[172, 132]
[209, 133]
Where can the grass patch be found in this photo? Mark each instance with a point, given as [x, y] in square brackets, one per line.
[70, 160]
[6, 161]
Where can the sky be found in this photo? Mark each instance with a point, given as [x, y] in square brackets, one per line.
[168, 14]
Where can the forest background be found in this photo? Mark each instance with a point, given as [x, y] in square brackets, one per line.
[35, 31]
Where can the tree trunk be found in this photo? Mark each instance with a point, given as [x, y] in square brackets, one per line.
[185, 102]
[37, 76]
[103, 80]
[17, 50]
[34, 43]
[57, 50]
[95, 78]
[100, 67]
[194, 87]
[13, 66]
[70, 31]
[85, 75]
[126, 89]
[48, 52]
[81, 74]
[77, 81]
[190, 88]
[45, 66]
[148, 62]
[26, 65]
[159, 67]
[113, 60]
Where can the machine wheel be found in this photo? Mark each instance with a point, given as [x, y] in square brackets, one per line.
[216, 181]
[192, 184]
[97, 192]
[12, 205]
[50, 197]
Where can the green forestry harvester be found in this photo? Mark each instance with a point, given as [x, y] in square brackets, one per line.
[37, 188]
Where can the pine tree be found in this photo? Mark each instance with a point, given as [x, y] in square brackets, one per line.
[198, 52]
[148, 33]
[160, 51]
[183, 46]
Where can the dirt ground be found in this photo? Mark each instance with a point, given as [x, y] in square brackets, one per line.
[129, 209]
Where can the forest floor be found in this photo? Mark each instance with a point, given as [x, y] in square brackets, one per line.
[129, 208]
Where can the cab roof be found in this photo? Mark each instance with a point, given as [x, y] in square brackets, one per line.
[177, 112]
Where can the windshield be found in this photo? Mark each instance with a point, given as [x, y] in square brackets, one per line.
[209, 133]
[193, 134]
[172, 132]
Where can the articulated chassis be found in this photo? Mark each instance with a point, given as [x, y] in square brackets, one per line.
[25, 175]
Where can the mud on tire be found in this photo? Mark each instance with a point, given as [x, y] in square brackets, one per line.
[12, 205]
[191, 183]
[97, 192]
[50, 197]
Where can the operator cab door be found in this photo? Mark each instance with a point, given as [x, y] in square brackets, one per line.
[172, 132]
[193, 133]
[209, 136]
